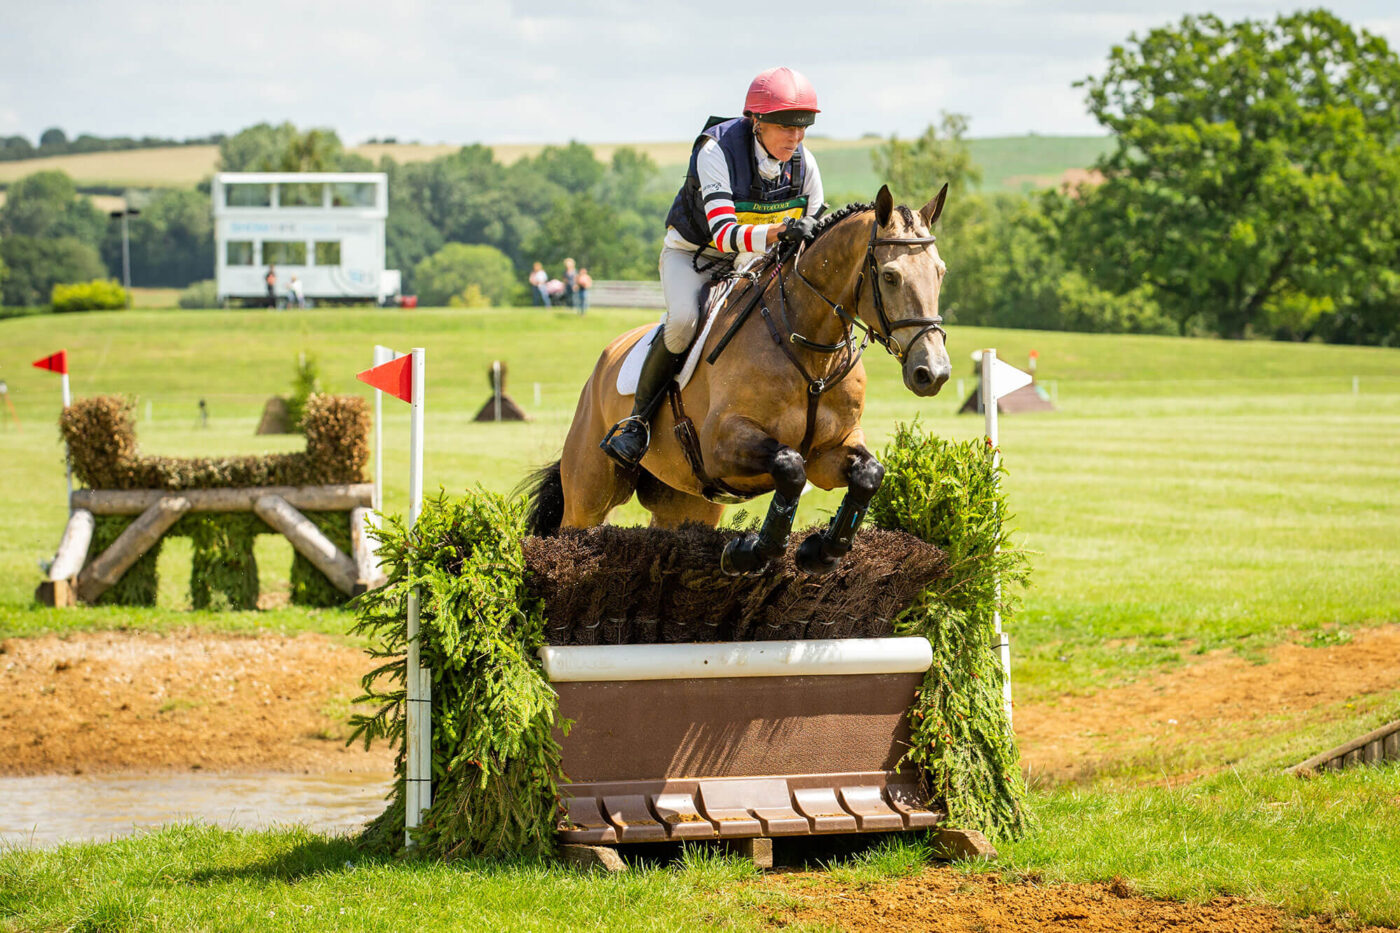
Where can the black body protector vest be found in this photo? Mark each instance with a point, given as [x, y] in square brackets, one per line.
[757, 200]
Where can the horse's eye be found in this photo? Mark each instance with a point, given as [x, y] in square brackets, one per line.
[891, 278]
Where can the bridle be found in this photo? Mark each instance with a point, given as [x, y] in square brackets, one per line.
[820, 384]
[885, 336]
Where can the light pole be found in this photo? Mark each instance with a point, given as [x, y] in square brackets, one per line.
[124, 213]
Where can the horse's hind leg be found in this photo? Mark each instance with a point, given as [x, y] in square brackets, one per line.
[671, 508]
[593, 484]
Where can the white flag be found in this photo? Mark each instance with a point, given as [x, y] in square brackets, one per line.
[1007, 378]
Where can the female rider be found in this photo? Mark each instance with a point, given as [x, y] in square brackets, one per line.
[750, 182]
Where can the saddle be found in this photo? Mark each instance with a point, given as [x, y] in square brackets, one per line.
[716, 293]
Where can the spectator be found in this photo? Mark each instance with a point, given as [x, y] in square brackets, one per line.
[538, 278]
[295, 296]
[584, 283]
[271, 280]
[570, 281]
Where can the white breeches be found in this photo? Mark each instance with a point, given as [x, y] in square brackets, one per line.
[682, 286]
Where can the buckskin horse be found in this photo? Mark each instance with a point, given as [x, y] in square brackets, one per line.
[780, 401]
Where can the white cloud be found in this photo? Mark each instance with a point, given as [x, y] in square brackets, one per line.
[551, 70]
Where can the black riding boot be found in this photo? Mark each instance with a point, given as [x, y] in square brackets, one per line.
[628, 440]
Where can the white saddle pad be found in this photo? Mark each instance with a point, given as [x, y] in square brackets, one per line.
[631, 369]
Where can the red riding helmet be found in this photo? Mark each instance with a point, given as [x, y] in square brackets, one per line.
[781, 95]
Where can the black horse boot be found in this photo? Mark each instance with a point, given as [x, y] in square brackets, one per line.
[628, 440]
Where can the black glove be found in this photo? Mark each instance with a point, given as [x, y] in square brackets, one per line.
[801, 230]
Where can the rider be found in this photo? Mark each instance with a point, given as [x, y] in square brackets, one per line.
[750, 183]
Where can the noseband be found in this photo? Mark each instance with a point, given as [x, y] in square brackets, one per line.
[885, 335]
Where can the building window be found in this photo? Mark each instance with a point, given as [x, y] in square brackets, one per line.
[301, 194]
[248, 195]
[286, 252]
[352, 194]
[327, 252]
[238, 252]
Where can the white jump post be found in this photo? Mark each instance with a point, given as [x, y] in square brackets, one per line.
[999, 379]
[418, 752]
[68, 403]
[381, 355]
[58, 363]
[405, 379]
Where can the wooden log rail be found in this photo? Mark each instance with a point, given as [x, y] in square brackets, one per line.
[334, 498]
[72, 578]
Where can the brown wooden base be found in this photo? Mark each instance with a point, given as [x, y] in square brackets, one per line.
[742, 808]
[56, 593]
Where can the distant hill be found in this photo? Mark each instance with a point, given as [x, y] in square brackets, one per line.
[1008, 163]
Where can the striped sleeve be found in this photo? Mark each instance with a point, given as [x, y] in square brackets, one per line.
[726, 233]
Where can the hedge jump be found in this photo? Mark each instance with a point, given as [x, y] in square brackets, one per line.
[72, 578]
[315, 498]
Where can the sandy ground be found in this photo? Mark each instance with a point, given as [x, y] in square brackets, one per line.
[948, 901]
[120, 701]
[1213, 707]
[131, 702]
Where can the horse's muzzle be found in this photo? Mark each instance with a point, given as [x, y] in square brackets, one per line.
[926, 379]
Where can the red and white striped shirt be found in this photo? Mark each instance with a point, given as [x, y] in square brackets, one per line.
[727, 235]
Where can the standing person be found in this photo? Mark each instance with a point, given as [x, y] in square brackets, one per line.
[584, 283]
[538, 278]
[749, 184]
[570, 282]
[271, 279]
[295, 295]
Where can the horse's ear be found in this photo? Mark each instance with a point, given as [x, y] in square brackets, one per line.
[884, 205]
[930, 212]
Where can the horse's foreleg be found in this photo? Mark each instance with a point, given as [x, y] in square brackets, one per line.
[751, 553]
[823, 550]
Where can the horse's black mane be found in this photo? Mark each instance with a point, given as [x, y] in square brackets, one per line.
[834, 218]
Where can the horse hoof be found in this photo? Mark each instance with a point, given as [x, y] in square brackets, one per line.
[741, 557]
[810, 558]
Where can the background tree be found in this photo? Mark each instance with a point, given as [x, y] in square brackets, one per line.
[171, 240]
[53, 137]
[915, 170]
[284, 148]
[34, 266]
[47, 205]
[1255, 172]
[449, 272]
[15, 147]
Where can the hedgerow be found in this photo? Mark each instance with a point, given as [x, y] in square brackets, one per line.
[101, 439]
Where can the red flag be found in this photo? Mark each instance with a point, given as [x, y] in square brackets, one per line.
[54, 363]
[394, 377]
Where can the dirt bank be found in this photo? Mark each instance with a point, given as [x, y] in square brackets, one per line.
[949, 901]
[1203, 715]
[120, 701]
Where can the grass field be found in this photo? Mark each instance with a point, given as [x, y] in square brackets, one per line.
[1188, 495]
[1012, 163]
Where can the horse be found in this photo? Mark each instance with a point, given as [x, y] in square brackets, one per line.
[780, 406]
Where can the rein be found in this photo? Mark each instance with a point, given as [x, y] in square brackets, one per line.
[818, 385]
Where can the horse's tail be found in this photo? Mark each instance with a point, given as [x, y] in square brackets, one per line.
[544, 491]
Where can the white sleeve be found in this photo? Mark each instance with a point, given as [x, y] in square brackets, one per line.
[717, 199]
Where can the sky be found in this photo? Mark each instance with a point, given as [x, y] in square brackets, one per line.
[552, 71]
